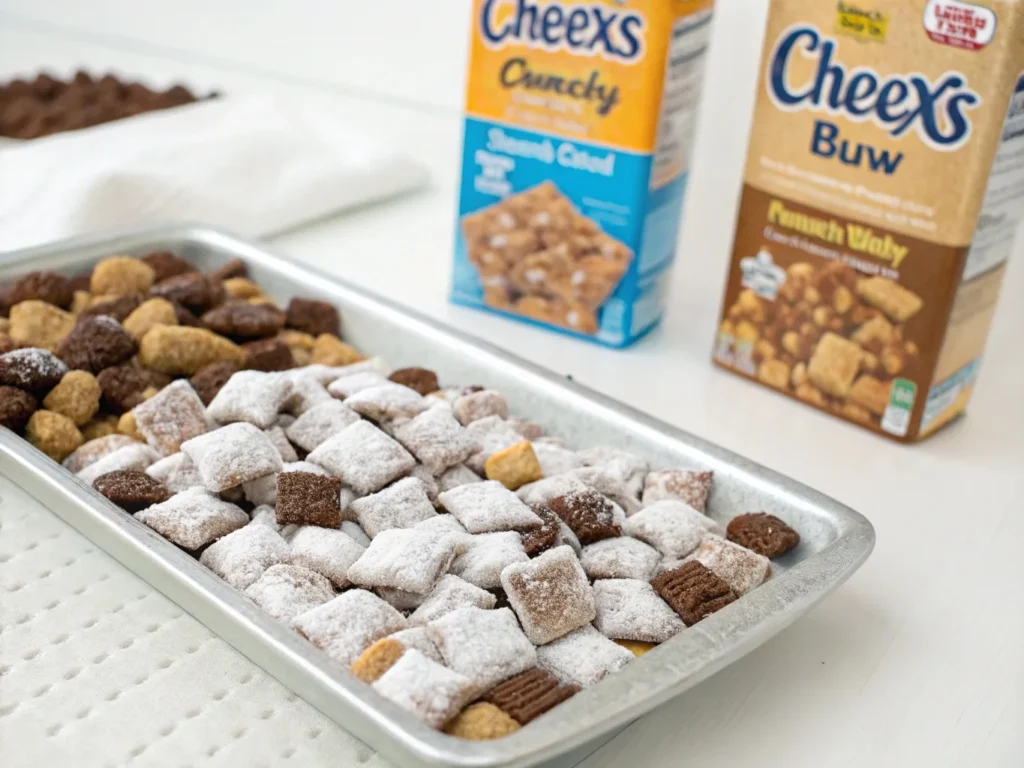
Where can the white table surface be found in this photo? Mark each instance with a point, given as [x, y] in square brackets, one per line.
[916, 661]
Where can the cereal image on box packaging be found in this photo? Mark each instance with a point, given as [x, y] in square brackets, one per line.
[424, 534]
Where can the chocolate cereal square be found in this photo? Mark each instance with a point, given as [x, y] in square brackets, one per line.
[588, 513]
[630, 609]
[327, 551]
[487, 555]
[363, 457]
[485, 645]
[762, 533]
[193, 518]
[231, 455]
[487, 507]
[400, 505]
[429, 690]
[420, 379]
[405, 558]
[172, 416]
[347, 625]
[321, 422]
[583, 657]
[288, 591]
[313, 317]
[251, 396]
[131, 489]
[686, 485]
[737, 566]
[242, 556]
[547, 536]
[672, 527]
[437, 439]
[622, 557]
[306, 498]
[693, 591]
[550, 594]
[529, 695]
[449, 594]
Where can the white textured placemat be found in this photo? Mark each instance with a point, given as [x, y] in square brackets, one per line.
[86, 641]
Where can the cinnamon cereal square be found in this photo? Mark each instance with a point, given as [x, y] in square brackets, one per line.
[630, 609]
[487, 507]
[193, 518]
[229, 456]
[348, 624]
[400, 505]
[251, 396]
[550, 594]
[835, 364]
[485, 645]
[436, 439]
[172, 416]
[363, 457]
[405, 558]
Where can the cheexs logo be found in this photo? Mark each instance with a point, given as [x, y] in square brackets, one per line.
[585, 29]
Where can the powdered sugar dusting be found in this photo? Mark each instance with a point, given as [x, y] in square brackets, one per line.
[487, 555]
[242, 556]
[134, 456]
[737, 566]
[629, 609]
[172, 416]
[583, 657]
[320, 423]
[620, 558]
[404, 558]
[425, 688]
[349, 624]
[94, 450]
[327, 551]
[449, 594]
[417, 638]
[251, 396]
[436, 439]
[488, 506]
[400, 505]
[550, 594]
[287, 591]
[193, 518]
[231, 455]
[363, 457]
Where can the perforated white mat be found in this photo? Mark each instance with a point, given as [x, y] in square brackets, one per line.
[99, 669]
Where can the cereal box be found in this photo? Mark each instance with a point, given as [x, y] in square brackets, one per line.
[883, 186]
[579, 121]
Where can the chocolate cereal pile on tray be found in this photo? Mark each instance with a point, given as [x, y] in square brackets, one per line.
[466, 565]
[45, 104]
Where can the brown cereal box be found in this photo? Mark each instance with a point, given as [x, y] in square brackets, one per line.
[882, 189]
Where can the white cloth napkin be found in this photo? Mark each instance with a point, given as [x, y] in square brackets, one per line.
[255, 165]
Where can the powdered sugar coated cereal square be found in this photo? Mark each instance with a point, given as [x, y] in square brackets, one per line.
[583, 657]
[387, 401]
[487, 507]
[622, 557]
[307, 392]
[251, 396]
[242, 556]
[320, 423]
[328, 551]
[485, 645]
[436, 439]
[176, 471]
[487, 555]
[346, 386]
[429, 690]
[491, 434]
[417, 638]
[134, 456]
[400, 505]
[193, 518]
[363, 457]
[404, 558]
[172, 416]
[280, 440]
[672, 527]
[550, 594]
[229, 456]
[686, 485]
[287, 591]
[449, 594]
[737, 566]
[629, 609]
[347, 625]
[455, 476]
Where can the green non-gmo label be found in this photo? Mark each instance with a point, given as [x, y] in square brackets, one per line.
[902, 394]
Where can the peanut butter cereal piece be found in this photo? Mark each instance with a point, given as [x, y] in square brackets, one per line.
[53, 434]
[126, 426]
[80, 301]
[35, 323]
[514, 466]
[148, 314]
[834, 364]
[242, 288]
[77, 397]
[535, 307]
[101, 426]
[328, 349]
[580, 319]
[298, 341]
[854, 412]
[774, 373]
[481, 722]
[798, 375]
[876, 334]
[637, 647]
[890, 297]
[871, 393]
[179, 350]
[747, 331]
[377, 659]
[809, 394]
[120, 276]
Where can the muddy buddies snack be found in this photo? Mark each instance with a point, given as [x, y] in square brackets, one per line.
[289, 591]
[193, 518]
[347, 625]
[229, 456]
[550, 594]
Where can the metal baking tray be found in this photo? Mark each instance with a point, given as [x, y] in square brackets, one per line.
[835, 539]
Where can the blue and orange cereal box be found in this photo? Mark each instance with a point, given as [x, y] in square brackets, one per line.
[579, 122]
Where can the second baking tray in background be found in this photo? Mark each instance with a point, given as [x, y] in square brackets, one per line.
[835, 539]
